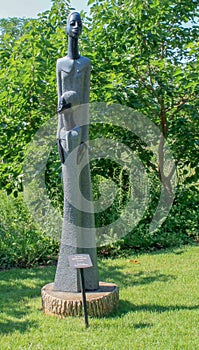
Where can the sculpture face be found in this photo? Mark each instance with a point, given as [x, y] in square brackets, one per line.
[74, 25]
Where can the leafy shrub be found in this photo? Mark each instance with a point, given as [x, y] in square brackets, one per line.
[22, 244]
[180, 227]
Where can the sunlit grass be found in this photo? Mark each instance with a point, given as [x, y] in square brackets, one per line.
[159, 307]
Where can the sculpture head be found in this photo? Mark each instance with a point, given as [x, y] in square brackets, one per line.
[74, 25]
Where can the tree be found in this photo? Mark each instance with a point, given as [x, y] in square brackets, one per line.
[145, 55]
[28, 84]
[12, 27]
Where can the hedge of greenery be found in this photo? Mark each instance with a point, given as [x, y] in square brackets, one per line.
[22, 244]
[136, 64]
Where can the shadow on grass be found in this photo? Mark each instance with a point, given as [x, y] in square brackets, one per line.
[17, 287]
[142, 325]
[126, 307]
[116, 275]
[8, 326]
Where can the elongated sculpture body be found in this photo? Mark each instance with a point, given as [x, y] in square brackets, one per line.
[78, 233]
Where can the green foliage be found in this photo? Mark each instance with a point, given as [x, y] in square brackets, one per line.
[138, 64]
[180, 227]
[12, 28]
[145, 55]
[22, 243]
[28, 87]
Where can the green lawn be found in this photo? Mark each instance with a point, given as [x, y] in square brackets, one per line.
[159, 307]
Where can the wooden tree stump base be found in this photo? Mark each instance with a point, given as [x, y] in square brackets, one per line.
[99, 303]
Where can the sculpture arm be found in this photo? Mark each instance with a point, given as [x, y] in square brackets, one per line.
[59, 82]
[87, 83]
[85, 102]
[59, 91]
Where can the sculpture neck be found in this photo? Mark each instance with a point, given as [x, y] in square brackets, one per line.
[73, 51]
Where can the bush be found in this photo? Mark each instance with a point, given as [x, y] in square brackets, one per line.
[22, 244]
[180, 227]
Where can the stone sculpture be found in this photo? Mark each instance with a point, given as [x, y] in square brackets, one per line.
[78, 233]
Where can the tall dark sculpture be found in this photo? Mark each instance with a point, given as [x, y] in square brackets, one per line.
[78, 233]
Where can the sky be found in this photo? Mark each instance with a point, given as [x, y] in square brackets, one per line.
[30, 8]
